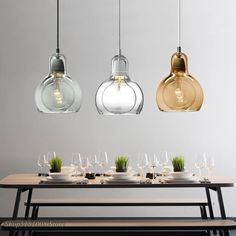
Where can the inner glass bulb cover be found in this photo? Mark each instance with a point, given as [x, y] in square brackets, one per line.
[179, 91]
[119, 95]
[58, 93]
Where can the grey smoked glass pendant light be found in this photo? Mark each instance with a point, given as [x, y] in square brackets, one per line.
[58, 93]
[179, 91]
[119, 95]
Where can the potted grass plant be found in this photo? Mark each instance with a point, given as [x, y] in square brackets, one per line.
[178, 163]
[55, 164]
[122, 163]
[180, 172]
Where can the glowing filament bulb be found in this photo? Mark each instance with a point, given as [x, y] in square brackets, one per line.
[119, 80]
[179, 95]
[58, 96]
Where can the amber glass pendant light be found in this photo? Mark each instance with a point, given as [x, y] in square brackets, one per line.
[58, 93]
[119, 95]
[179, 91]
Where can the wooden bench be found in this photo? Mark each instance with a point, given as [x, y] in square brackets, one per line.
[119, 225]
[46, 202]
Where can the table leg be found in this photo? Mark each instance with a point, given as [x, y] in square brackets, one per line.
[221, 203]
[204, 212]
[27, 209]
[17, 204]
[208, 195]
[16, 209]
[210, 208]
[222, 208]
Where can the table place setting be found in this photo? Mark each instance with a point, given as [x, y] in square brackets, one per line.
[121, 173]
[52, 180]
[180, 177]
[60, 178]
[122, 178]
[153, 169]
[63, 179]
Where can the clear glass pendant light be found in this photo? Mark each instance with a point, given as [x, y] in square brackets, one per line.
[119, 95]
[179, 91]
[58, 93]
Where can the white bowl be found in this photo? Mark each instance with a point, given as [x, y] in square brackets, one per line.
[181, 175]
[60, 175]
[121, 175]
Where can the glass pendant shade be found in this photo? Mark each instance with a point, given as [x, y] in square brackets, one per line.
[58, 93]
[119, 95]
[179, 91]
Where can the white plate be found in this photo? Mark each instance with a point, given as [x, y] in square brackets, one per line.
[173, 180]
[60, 176]
[122, 181]
[52, 180]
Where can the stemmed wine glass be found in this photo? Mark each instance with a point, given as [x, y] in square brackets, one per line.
[75, 162]
[84, 164]
[103, 162]
[200, 163]
[163, 161]
[41, 163]
[51, 155]
[47, 162]
[153, 163]
[93, 162]
[209, 164]
[143, 163]
[48, 158]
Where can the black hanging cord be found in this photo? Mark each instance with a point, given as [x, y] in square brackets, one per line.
[58, 49]
[179, 27]
[119, 37]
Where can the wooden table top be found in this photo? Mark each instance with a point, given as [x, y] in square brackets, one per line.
[33, 181]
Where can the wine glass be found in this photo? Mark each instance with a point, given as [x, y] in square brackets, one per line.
[48, 158]
[93, 162]
[41, 163]
[200, 163]
[143, 163]
[51, 155]
[209, 164]
[84, 164]
[103, 162]
[75, 161]
[163, 162]
[153, 163]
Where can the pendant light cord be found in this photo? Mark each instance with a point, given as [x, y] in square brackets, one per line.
[119, 37]
[58, 48]
[179, 26]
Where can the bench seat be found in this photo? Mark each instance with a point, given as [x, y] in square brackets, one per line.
[116, 202]
[117, 224]
[47, 202]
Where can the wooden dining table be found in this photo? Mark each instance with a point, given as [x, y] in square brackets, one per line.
[29, 182]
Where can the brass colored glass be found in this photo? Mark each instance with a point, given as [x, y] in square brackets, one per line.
[179, 91]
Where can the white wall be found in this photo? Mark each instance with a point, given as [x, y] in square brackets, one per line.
[89, 40]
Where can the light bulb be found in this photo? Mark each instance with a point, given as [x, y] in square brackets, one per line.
[179, 91]
[119, 95]
[58, 93]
